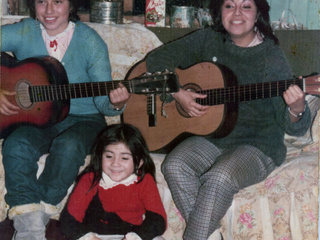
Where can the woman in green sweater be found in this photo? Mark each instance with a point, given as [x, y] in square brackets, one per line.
[204, 173]
[54, 29]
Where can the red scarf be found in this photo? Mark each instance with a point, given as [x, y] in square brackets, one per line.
[54, 43]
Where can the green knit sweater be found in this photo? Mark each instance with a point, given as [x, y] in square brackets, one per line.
[261, 123]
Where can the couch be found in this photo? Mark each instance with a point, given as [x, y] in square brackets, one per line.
[283, 207]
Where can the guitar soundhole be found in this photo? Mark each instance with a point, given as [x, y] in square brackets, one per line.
[188, 87]
[22, 96]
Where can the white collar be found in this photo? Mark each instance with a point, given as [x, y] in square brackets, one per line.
[258, 38]
[64, 33]
[107, 183]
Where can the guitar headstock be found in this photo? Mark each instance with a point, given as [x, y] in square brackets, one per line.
[155, 83]
[312, 84]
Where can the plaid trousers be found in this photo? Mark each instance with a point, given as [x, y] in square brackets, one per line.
[203, 179]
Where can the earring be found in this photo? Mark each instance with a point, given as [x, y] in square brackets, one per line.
[37, 23]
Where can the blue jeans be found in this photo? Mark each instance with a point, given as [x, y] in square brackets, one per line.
[68, 143]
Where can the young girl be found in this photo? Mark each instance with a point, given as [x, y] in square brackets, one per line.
[116, 193]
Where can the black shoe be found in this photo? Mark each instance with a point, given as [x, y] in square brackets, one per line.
[221, 236]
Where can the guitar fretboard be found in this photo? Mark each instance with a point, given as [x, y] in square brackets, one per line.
[243, 93]
[44, 93]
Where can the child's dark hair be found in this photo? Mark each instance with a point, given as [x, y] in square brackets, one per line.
[132, 138]
[73, 15]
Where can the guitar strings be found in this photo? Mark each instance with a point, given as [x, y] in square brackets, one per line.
[246, 92]
[214, 96]
[92, 89]
[62, 92]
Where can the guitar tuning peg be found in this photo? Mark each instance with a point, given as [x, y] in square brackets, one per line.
[168, 72]
[146, 74]
[164, 113]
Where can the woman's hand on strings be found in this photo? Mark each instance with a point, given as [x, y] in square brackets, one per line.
[295, 99]
[187, 101]
[119, 96]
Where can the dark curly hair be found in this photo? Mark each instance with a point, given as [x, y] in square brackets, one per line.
[263, 21]
[73, 15]
[132, 138]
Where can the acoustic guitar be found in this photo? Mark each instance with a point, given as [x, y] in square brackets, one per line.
[163, 133]
[43, 92]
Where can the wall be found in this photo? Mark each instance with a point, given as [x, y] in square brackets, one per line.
[305, 11]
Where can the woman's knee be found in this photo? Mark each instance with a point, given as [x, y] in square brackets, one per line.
[69, 145]
[220, 175]
[176, 166]
[18, 147]
[75, 140]
[170, 165]
[195, 154]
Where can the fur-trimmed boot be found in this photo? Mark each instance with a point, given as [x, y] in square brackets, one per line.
[29, 225]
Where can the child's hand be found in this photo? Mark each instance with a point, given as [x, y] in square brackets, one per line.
[95, 238]
[132, 236]
[90, 236]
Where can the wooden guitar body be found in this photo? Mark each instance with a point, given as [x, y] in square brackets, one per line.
[17, 76]
[170, 131]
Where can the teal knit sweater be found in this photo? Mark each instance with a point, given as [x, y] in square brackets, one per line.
[86, 59]
[261, 123]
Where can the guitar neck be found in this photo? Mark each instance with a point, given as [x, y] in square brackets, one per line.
[243, 93]
[43, 93]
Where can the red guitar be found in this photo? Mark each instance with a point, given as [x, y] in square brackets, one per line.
[43, 92]
[223, 94]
